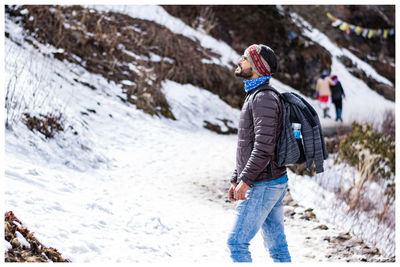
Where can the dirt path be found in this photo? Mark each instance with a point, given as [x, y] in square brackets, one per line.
[309, 240]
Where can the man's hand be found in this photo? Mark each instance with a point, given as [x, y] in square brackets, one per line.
[240, 191]
[231, 192]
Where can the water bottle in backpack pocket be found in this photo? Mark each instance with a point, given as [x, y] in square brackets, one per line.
[296, 127]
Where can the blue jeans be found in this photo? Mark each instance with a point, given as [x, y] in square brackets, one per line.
[263, 209]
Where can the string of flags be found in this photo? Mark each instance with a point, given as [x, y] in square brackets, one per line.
[364, 32]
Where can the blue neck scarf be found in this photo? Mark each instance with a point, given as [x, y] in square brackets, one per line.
[254, 83]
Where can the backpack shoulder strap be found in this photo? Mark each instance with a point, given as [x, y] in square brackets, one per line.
[252, 96]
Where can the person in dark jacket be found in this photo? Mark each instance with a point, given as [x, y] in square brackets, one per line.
[258, 182]
[337, 94]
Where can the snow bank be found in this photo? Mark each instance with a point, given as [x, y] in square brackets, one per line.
[319, 193]
[192, 105]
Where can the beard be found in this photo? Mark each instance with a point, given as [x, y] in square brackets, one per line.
[243, 73]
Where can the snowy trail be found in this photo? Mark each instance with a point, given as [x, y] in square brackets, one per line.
[143, 209]
[147, 206]
[143, 203]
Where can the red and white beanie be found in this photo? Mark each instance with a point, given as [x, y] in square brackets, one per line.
[262, 59]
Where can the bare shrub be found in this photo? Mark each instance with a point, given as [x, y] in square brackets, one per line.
[388, 126]
[206, 21]
[48, 125]
[371, 194]
[27, 86]
[373, 155]
[12, 101]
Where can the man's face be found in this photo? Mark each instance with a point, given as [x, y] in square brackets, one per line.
[244, 69]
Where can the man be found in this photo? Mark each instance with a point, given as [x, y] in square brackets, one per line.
[323, 92]
[258, 182]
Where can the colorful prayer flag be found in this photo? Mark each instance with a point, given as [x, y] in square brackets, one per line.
[330, 16]
[371, 33]
[344, 26]
[365, 32]
[385, 33]
[337, 22]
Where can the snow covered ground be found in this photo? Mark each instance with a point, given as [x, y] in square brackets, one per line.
[141, 200]
[125, 189]
[137, 201]
[319, 193]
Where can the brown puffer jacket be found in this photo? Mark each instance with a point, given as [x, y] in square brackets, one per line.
[255, 155]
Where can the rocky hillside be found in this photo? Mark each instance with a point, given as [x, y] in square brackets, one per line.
[140, 54]
[300, 60]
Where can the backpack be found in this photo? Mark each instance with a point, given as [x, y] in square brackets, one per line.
[297, 146]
